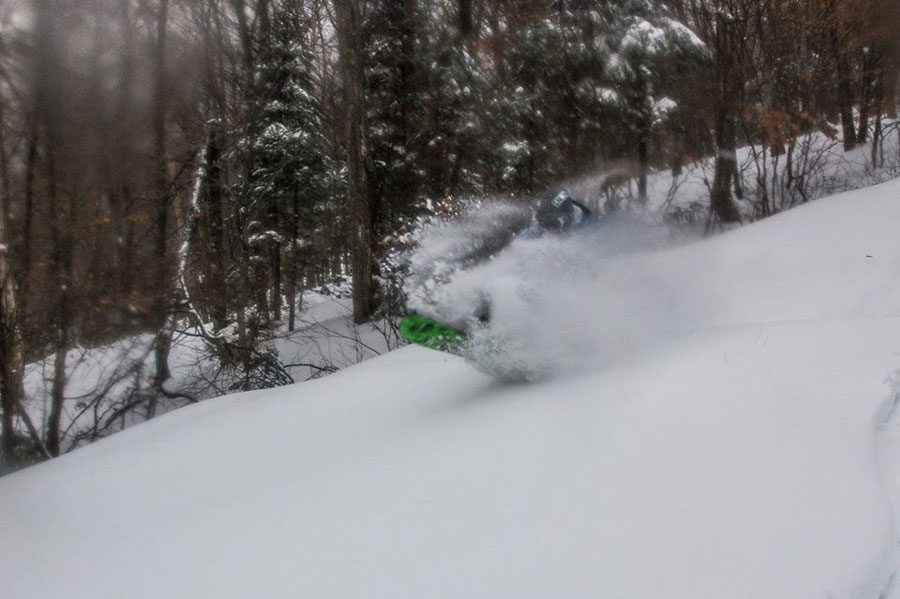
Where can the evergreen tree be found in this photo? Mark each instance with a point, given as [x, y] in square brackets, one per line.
[394, 115]
[292, 170]
[645, 41]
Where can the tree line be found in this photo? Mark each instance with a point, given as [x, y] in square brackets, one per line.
[200, 163]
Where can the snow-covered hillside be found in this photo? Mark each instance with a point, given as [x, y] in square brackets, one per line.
[750, 452]
[819, 167]
[104, 383]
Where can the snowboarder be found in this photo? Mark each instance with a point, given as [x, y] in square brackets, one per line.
[554, 214]
[558, 213]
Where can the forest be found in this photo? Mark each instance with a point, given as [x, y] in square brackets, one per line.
[196, 168]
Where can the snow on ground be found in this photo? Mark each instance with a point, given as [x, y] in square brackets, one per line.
[749, 452]
[819, 167]
[100, 396]
[591, 298]
[326, 340]
[102, 382]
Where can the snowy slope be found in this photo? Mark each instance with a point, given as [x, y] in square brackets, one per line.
[101, 380]
[750, 452]
[825, 167]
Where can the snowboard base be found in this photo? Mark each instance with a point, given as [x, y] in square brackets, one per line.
[488, 354]
[432, 334]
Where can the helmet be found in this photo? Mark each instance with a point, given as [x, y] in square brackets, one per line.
[554, 212]
[561, 198]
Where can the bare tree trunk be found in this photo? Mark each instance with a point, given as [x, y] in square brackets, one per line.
[265, 21]
[348, 24]
[5, 199]
[721, 200]
[123, 194]
[789, 165]
[163, 341]
[878, 104]
[11, 362]
[294, 258]
[243, 292]
[273, 249]
[216, 291]
[466, 21]
[865, 99]
[276, 279]
[61, 260]
[407, 101]
[218, 300]
[126, 252]
[28, 218]
[240, 13]
[58, 387]
[845, 94]
[728, 39]
[738, 181]
[252, 287]
[47, 114]
[643, 165]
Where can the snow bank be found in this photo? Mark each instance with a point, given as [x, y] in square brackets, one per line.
[746, 455]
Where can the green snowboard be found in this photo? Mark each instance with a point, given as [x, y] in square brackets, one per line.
[486, 353]
[432, 334]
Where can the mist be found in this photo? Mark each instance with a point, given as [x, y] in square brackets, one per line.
[556, 304]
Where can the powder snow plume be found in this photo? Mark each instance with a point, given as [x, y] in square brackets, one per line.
[555, 304]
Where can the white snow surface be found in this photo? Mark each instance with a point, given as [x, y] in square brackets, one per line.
[100, 379]
[749, 451]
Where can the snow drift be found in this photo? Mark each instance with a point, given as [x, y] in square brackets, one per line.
[747, 453]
